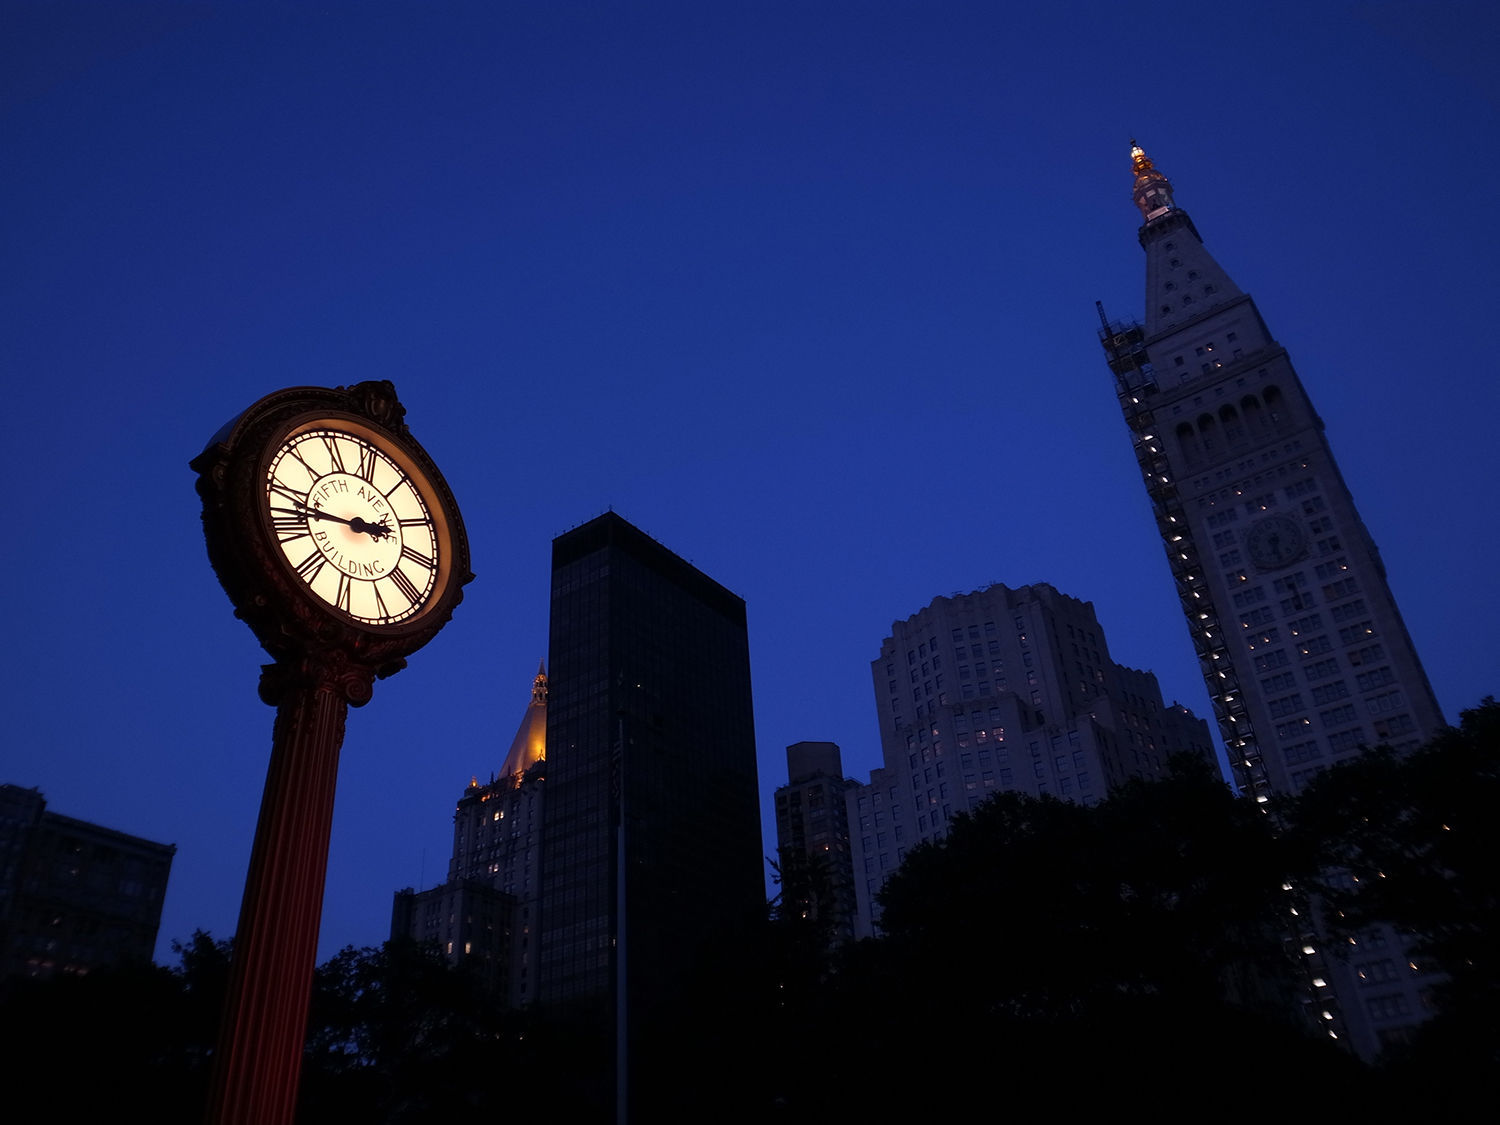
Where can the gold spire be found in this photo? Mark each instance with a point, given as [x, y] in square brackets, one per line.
[1139, 161]
[530, 743]
[1153, 191]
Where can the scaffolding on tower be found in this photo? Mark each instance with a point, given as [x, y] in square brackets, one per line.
[1124, 346]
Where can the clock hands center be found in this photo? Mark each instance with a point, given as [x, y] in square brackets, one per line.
[375, 530]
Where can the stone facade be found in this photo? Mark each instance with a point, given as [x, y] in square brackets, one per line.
[1000, 690]
[1303, 650]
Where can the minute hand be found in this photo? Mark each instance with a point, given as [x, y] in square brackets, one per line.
[375, 530]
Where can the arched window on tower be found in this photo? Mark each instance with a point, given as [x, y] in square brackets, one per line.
[1275, 408]
[1254, 415]
[1229, 417]
[1187, 440]
[1207, 430]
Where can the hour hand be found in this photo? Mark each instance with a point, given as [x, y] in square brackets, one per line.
[376, 530]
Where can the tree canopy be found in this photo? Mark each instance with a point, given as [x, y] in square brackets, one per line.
[1411, 841]
[1137, 944]
[1167, 889]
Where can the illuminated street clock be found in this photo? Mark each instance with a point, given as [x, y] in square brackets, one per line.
[329, 525]
[341, 546]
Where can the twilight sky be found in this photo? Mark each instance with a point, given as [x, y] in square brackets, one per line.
[804, 290]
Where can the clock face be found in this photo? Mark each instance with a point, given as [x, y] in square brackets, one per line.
[1276, 541]
[353, 517]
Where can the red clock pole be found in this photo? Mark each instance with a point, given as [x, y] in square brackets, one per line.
[329, 647]
[264, 1027]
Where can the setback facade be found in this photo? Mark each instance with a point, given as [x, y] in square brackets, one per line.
[1001, 690]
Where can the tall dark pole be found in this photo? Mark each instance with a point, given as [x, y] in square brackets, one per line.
[264, 1026]
[622, 931]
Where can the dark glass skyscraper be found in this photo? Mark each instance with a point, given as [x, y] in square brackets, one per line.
[651, 848]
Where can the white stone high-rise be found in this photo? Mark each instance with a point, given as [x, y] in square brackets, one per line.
[1303, 650]
[996, 690]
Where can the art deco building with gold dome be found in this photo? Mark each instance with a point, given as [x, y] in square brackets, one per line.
[484, 915]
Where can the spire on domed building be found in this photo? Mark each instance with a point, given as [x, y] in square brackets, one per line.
[530, 743]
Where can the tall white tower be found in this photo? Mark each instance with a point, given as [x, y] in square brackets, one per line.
[1302, 648]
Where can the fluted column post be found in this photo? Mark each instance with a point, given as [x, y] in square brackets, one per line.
[264, 1027]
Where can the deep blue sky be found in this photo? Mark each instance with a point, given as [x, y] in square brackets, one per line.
[804, 290]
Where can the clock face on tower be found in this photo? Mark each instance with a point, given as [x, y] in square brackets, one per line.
[1275, 541]
[356, 521]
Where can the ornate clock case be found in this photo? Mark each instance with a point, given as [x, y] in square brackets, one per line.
[264, 479]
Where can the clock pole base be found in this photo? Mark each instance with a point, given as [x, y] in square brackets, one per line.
[264, 1028]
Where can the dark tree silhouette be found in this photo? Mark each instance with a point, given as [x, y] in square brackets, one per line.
[1414, 842]
[79, 1048]
[396, 1034]
[1168, 889]
[1411, 841]
[1087, 947]
[1133, 948]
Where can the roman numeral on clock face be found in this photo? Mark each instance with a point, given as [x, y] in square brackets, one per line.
[308, 568]
[342, 600]
[405, 585]
[334, 456]
[286, 493]
[288, 528]
[366, 468]
[311, 472]
[407, 552]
